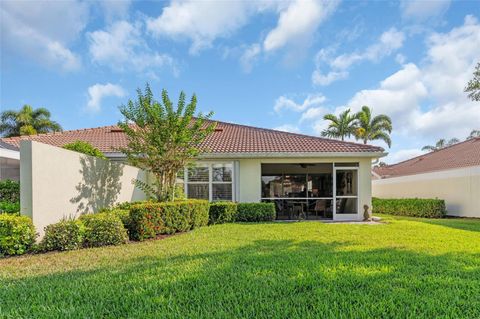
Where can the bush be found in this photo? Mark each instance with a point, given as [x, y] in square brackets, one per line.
[10, 208]
[103, 229]
[64, 235]
[413, 207]
[222, 212]
[9, 191]
[149, 220]
[123, 214]
[85, 148]
[255, 212]
[17, 234]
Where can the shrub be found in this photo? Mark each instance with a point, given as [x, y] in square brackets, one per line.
[103, 229]
[64, 235]
[85, 148]
[413, 207]
[10, 208]
[123, 214]
[149, 220]
[9, 191]
[255, 212]
[222, 212]
[17, 234]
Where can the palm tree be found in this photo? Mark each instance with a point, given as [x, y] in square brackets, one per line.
[473, 86]
[27, 121]
[441, 143]
[341, 126]
[371, 128]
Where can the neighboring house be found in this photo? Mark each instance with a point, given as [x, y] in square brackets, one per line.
[305, 176]
[451, 173]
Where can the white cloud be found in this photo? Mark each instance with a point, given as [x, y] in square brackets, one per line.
[121, 47]
[297, 22]
[430, 100]
[97, 92]
[201, 21]
[421, 10]
[402, 155]
[312, 100]
[313, 113]
[390, 41]
[115, 9]
[288, 128]
[42, 31]
[249, 56]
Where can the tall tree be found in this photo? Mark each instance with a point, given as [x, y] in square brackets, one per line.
[473, 86]
[27, 121]
[441, 143]
[473, 134]
[162, 139]
[340, 127]
[370, 128]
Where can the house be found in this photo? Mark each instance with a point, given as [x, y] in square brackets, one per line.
[451, 173]
[305, 176]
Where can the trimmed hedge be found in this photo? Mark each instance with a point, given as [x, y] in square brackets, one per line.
[413, 207]
[84, 148]
[9, 208]
[9, 191]
[17, 234]
[64, 235]
[255, 212]
[123, 214]
[222, 212]
[103, 229]
[148, 220]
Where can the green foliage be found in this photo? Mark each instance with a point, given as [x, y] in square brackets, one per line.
[103, 229]
[27, 121]
[84, 148]
[255, 212]
[340, 127]
[370, 128]
[10, 208]
[148, 220]
[123, 214]
[64, 235]
[17, 234]
[164, 138]
[222, 212]
[473, 86]
[441, 143]
[413, 207]
[9, 191]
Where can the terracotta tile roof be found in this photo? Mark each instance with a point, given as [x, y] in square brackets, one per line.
[464, 154]
[227, 138]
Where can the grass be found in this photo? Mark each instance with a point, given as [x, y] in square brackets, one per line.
[406, 268]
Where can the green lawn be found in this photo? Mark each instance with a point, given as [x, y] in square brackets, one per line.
[406, 268]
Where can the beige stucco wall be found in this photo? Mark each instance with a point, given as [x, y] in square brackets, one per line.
[460, 188]
[250, 178]
[57, 183]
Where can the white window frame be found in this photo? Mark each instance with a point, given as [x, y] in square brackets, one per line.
[210, 181]
[344, 168]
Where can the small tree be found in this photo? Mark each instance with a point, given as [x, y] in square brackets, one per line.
[473, 86]
[441, 143]
[163, 139]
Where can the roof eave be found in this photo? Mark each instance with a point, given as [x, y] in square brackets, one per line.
[293, 154]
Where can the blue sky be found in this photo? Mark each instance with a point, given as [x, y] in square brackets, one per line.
[275, 64]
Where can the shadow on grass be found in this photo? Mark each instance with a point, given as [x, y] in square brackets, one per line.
[267, 279]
